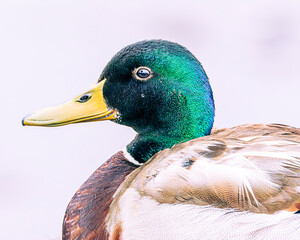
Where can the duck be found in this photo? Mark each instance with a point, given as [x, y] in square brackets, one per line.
[179, 178]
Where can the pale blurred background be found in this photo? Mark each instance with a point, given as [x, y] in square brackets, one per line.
[51, 51]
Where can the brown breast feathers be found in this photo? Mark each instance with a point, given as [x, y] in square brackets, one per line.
[86, 213]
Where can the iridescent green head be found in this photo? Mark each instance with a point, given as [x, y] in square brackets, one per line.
[160, 90]
[156, 87]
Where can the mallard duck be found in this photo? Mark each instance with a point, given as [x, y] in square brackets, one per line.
[178, 179]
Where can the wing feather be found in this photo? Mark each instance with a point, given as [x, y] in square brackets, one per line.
[251, 167]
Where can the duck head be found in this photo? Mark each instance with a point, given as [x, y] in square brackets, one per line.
[156, 87]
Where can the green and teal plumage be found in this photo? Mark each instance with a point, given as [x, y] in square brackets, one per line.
[175, 106]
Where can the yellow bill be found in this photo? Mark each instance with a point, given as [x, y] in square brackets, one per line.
[87, 107]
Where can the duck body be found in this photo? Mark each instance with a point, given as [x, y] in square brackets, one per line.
[177, 179]
[234, 183]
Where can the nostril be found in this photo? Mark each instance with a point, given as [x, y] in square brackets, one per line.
[84, 98]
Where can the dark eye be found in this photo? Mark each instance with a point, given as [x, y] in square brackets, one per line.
[84, 98]
[142, 73]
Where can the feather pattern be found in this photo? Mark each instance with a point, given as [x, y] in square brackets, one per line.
[260, 174]
[250, 168]
[142, 217]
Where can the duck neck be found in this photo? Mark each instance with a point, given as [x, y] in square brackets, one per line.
[154, 139]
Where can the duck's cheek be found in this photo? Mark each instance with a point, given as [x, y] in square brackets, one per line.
[125, 118]
[128, 106]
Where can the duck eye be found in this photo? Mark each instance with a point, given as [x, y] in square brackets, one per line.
[142, 73]
[84, 98]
